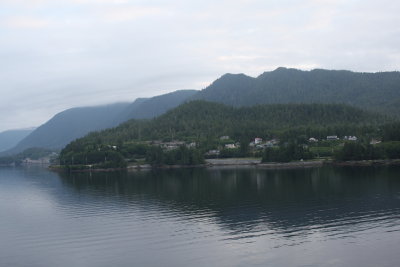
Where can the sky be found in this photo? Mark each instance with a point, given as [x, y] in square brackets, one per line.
[59, 54]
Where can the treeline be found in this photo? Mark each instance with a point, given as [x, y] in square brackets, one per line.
[199, 120]
[118, 156]
[388, 149]
[391, 132]
[360, 151]
[156, 156]
[287, 153]
[351, 151]
[101, 157]
[204, 122]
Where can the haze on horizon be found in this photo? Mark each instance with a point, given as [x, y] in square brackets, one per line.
[58, 54]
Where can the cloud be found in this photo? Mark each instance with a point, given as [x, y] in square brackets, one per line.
[127, 13]
[26, 23]
[101, 1]
[57, 54]
[237, 57]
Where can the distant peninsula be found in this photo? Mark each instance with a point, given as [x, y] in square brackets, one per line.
[196, 131]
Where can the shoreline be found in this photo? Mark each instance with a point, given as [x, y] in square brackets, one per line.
[214, 163]
[242, 162]
[366, 163]
[258, 164]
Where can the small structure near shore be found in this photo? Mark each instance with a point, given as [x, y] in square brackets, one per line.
[230, 146]
[332, 137]
[350, 138]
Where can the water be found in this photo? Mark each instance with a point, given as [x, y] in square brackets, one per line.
[199, 217]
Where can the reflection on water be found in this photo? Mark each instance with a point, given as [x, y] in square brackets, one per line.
[214, 217]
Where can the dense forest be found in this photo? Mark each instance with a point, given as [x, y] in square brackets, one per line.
[388, 149]
[374, 91]
[203, 123]
[199, 120]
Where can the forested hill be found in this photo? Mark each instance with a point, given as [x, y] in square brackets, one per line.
[374, 91]
[77, 122]
[9, 139]
[69, 125]
[200, 120]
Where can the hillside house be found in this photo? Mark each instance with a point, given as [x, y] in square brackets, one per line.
[375, 142]
[230, 146]
[172, 145]
[257, 141]
[350, 138]
[332, 137]
[191, 145]
[213, 152]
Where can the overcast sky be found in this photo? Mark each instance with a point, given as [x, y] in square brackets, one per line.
[57, 54]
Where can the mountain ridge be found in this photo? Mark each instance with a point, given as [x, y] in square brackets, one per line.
[74, 123]
[148, 108]
[377, 92]
[68, 125]
[10, 138]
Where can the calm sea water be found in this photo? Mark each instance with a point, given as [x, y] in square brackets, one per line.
[199, 217]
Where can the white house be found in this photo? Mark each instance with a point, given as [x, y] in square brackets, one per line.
[350, 138]
[191, 145]
[214, 152]
[229, 146]
[257, 140]
[332, 137]
[375, 142]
